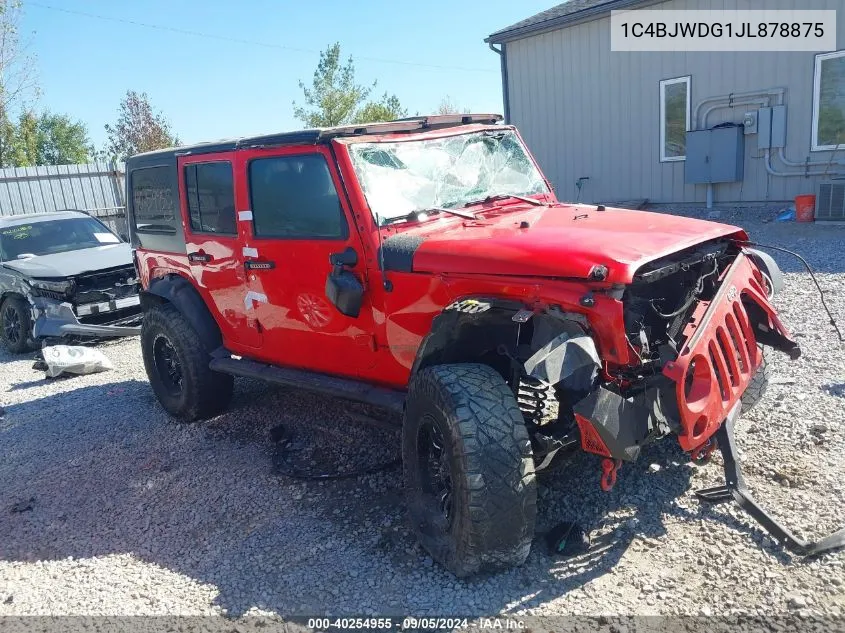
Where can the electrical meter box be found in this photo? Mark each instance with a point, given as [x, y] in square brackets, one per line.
[715, 155]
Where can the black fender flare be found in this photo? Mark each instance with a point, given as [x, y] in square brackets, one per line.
[182, 295]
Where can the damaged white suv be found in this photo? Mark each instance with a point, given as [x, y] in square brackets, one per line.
[64, 274]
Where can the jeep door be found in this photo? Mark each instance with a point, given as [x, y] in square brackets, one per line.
[299, 217]
[207, 196]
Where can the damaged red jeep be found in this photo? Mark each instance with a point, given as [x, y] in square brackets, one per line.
[425, 266]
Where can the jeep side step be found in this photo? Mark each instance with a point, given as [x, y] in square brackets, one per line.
[346, 388]
[736, 490]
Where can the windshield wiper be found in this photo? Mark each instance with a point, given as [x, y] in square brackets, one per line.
[415, 215]
[505, 196]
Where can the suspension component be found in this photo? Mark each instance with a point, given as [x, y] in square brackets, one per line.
[531, 395]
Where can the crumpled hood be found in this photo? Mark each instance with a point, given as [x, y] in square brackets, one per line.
[560, 241]
[73, 263]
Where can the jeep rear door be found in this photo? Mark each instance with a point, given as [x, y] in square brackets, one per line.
[299, 217]
[207, 194]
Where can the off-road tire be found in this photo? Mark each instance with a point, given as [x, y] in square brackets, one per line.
[15, 312]
[203, 393]
[494, 489]
[758, 385]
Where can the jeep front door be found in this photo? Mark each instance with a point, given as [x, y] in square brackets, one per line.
[299, 219]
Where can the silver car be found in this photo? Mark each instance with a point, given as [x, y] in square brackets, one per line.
[64, 274]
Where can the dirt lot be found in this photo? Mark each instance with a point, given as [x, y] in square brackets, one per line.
[124, 511]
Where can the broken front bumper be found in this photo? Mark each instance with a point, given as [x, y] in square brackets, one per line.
[55, 318]
[721, 354]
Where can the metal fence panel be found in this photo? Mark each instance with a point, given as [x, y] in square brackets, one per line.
[96, 188]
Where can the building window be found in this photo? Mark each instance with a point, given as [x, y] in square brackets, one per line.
[153, 210]
[829, 102]
[211, 197]
[294, 197]
[674, 118]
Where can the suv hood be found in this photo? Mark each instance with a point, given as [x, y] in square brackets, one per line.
[73, 263]
[560, 241]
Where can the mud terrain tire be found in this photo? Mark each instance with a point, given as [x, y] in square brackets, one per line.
[16, 325]
[486, 453]
[758, 385]
[177, 366]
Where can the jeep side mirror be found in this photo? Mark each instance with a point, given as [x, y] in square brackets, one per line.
[342, 287]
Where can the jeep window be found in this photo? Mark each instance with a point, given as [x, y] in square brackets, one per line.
[401, 177]
[53, 236]
[152, 200]
[294, 197]
[211, 197]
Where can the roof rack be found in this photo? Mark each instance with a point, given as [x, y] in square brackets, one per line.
[410, 124]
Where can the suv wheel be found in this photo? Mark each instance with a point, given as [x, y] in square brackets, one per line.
[469, 469]
[16, 325]
[177, 365]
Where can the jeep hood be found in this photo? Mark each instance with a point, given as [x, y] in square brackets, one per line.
[562, 240]
[72, 263]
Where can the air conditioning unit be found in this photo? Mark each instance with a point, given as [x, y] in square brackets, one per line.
[830, 201]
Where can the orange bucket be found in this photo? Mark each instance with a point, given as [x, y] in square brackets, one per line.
[805, 208]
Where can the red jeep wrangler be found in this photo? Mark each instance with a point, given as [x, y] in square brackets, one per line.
[424, 265]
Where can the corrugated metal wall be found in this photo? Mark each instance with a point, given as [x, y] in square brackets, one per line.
[97, 188]
[587, 111]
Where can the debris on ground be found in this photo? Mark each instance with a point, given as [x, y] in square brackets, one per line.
[568, 538]
[22, 506]
[74, 359]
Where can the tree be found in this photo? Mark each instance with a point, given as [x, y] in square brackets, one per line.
[17, 76]
[447, 106]
[334, 97]
[388, 109]
[138, 128]
[61, 141]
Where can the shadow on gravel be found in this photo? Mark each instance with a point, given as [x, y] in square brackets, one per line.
[109, 473]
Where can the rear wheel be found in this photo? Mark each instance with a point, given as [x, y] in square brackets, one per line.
[177, 366]
[469, 469]
[16, 325]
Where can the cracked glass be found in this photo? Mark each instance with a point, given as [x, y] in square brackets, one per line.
[402, 177]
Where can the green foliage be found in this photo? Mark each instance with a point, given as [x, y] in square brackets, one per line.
[831, 126]
[388, 109]
[48, 139]
[138, 128]
[334, 97]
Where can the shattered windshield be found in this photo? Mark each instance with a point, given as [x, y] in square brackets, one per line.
[401, 177]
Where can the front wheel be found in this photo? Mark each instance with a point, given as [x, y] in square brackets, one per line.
[16, 325]
[177, 366]
[469, 469]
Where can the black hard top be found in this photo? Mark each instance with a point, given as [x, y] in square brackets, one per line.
[313, 136]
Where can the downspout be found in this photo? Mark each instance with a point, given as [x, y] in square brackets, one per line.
[503, 60]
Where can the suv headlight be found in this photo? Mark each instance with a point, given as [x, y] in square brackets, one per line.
[64, 286]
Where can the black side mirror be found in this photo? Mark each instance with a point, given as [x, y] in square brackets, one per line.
[342, 287]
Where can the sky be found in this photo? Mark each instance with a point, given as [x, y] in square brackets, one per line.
[211, 87]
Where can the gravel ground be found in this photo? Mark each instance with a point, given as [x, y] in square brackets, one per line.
[124, 511]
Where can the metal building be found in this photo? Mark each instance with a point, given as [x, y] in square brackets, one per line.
[616, 121]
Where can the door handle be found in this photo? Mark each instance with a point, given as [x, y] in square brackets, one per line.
[202, 258]
[260, 265]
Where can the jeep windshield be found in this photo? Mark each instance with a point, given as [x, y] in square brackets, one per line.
[52, 236]
[401, 177]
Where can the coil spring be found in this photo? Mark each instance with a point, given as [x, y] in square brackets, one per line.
[531, 397]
